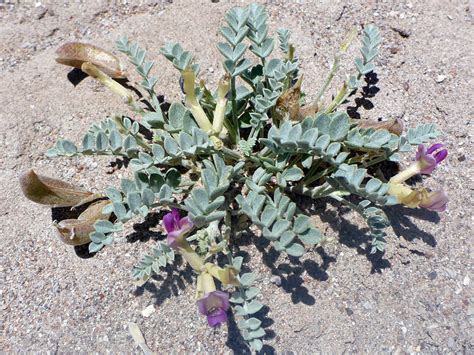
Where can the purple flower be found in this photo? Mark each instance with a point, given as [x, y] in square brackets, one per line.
[214, 305]
[429, 158]
[435, 201]
[176, 226]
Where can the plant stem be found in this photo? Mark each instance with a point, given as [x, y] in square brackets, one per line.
[338, 198]
[328, 80]
[234, 108]
[320, 175]
[231, 153]
[335, 66]
[314, 193]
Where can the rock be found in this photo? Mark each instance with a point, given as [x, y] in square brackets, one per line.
[402, 32]
[275, 279]
[451, 342]
[433, 275]
[466, 281]
[404, 330]
[367, 305]
[440, 78]
[148, 311]
[41, 13]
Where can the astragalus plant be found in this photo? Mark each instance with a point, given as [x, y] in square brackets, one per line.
[221, 161]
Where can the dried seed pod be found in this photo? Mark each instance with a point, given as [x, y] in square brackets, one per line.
[308, 110]
[289, 104]
[52, 192]
[76, 231]
[75, 54]
[394, 126]
[289, 101]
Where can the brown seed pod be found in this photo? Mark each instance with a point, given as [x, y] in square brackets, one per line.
[74, 54]
[52, 192]
[289, 101]
[76, 231]
[289, 104]
[394, 126]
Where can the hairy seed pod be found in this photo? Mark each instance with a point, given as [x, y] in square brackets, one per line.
[76, 231]
[289, 102]
[74, 54]
[394, 126]
[52, 192]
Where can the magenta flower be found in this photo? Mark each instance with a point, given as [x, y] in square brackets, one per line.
[435, 201]
[428, 159]
[214, 305]
[176, 226]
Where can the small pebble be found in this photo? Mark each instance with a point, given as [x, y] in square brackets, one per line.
[367, 305]
[466, 281]
[433, 275]
[276, 280]
[441, 78]
[402, 32]
[148, 311]
[451, 342]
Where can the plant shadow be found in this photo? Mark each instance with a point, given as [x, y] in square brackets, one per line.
[368, 92]
[235, 340]
[405, 228]
[290, 273]
[170, 281]
[355, 237]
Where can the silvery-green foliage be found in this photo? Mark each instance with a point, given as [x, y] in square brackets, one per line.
[119, 136]
[234, 48]
[203, 204]
[137, 57]
[277, 218]
[247, 306]
[180, 58]
[370, 45]
[262, 45]
[103, 235]
[252, 170]
[160, 256]
[284, 38]
[351, 178]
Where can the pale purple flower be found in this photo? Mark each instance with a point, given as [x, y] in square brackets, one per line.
[435, 201]
[429, 159]
[176, 226]
[214, 305]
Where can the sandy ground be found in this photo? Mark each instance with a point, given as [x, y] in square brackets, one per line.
[415, 298]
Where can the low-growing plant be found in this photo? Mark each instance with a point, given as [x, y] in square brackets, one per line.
[225, 160]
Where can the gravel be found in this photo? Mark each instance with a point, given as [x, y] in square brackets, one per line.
[417, 297]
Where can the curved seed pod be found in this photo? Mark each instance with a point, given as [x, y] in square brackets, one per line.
[74, 54]
[76, 231]
[289, 101]
[394, 126]
[52, 192]
[308, 110]
[94, 211]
